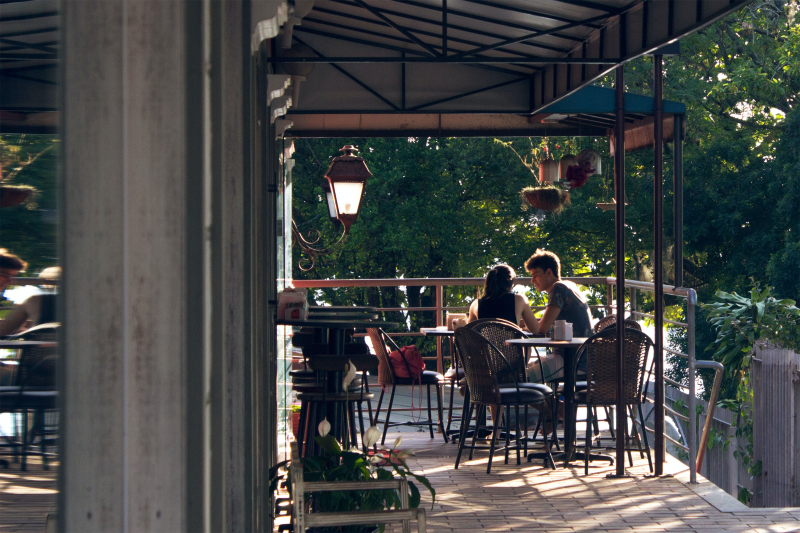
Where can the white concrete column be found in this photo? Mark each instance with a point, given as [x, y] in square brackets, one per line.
[156, 136]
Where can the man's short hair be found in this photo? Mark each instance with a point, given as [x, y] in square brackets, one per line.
[544, 260]
[10, 261]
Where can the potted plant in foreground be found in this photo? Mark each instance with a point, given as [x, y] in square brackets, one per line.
[355, 465]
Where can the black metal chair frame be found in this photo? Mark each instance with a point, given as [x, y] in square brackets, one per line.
[386, 374]
[637, 398]
[493, 354]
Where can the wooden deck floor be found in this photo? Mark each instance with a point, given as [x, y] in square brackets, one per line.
[26, 498]
[534, 499]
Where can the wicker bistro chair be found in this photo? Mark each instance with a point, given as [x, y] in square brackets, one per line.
[34, 391]
[498, 331]
[483, 364]
[603, 324]
[600, 351]
[383, 345]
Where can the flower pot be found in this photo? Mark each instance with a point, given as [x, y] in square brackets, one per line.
[546, 198]
[295, 423]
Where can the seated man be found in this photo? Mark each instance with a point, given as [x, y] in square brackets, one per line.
[564, 302]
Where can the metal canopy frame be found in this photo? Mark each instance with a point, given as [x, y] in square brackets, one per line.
[547, 50]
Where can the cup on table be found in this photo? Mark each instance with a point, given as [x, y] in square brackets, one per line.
[559, 330]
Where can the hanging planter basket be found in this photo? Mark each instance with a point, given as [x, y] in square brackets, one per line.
[11, 195]
[550, 199]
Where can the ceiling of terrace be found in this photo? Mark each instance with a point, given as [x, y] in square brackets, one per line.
[419, 59]
[29, 48]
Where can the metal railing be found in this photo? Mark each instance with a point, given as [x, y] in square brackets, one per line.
[609, 283]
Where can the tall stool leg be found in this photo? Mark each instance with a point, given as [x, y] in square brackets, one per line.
[430, 414]
[439, 394]
[388, 414]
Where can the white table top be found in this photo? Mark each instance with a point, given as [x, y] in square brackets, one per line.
[545, 341]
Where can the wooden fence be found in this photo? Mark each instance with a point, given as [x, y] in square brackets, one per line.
[776, 434]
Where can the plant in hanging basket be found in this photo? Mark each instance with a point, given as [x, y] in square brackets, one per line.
[551, 199]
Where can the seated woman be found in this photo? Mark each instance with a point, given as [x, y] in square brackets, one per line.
[498, 301]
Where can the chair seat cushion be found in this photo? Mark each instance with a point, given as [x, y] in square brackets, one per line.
[544, 389]
[428, 377]
[526, 396]
[452, 372]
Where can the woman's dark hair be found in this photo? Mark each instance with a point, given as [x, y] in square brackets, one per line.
[11, 261]
[498, 281]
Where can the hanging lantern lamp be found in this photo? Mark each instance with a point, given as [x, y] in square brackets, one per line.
[347, 177]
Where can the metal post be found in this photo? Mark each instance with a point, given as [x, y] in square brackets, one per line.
[691, 300]
[677, 198]
[658, 232]
[439, 322]
[619, 195]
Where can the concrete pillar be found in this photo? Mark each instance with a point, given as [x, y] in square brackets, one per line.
[156, 373]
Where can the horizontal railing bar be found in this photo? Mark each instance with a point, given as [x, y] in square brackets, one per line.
[666, 320]
[676, 384]
[673, 441]
[673, 352]
[420, 282]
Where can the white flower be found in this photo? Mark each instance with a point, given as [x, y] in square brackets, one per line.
[375, 459]
[397, 441]
[371, 436]
[350, 376]
[324, 427]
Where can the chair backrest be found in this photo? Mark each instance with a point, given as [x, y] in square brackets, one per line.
[611, 320]
[479, 366]
[601, 371]
[37, 364]
[498, 331]
[379, 345]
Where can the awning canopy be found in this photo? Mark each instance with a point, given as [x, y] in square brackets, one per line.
[29, 48]
[432, 65]
[425, 66]
[587, 112]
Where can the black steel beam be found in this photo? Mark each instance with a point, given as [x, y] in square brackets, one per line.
[305, 29]
[658, 244]
[534, 35]
[30, 32]
[470, 93]
[435, 23]
[525, 11]
[455, 59]
[29, 16]
[7, 74]
[473, 16]
[26, 56]
[383, 35]
[390, 22]
[619, 196]
[28, 67]
[444, 27]
[353, 78]
[591, 5]
[43, 47]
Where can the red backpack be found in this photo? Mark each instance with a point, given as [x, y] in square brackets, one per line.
[407, 362]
